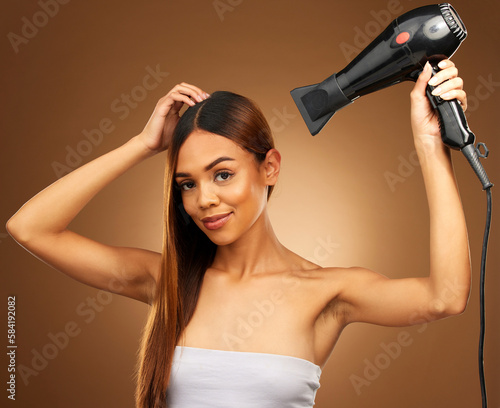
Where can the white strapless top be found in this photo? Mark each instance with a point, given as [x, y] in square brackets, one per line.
[205, 378]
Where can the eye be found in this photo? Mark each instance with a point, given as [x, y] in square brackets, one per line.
[186, 185]
[223, 175]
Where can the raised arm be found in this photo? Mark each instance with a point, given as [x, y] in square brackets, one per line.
[367, 296]
[40, 225]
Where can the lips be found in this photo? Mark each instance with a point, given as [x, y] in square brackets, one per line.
[215, 221]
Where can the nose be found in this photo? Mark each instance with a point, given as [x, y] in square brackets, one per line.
[207, 196]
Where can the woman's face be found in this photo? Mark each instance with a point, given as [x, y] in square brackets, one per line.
[223, 187]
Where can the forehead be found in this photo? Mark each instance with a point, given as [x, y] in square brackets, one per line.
[201, 148]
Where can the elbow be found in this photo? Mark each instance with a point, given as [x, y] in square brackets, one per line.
[456, 308]
[458, 303]
[452, 295]
[26, 231]
[451, 307]
[11, 227]
[17, 231]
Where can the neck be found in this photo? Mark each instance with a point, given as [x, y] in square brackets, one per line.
[257, 252]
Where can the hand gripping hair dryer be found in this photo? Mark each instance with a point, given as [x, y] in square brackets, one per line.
[425, 34]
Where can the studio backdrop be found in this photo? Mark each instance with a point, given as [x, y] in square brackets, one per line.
[81, 78]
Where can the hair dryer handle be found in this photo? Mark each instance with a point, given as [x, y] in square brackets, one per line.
[455, 131]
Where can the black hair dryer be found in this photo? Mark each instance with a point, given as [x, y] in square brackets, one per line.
[425, 34]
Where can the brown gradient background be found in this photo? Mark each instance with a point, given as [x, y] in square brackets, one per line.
[332, 186]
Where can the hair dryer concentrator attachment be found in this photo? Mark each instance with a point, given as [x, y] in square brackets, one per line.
[399, 53]
[317, 103]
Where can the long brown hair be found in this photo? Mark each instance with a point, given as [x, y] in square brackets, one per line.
[187, 251]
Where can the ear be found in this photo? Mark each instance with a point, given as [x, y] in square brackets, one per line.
[271, 166]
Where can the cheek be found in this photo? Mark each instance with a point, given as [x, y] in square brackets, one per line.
[237, 194]
[189, 204]
[242, 193]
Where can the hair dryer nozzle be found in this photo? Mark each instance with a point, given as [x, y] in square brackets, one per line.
[317, 103]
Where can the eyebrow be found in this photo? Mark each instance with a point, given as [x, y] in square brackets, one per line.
[207, 167]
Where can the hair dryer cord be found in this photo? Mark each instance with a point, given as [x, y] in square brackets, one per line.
[481, 299]
[470, 152]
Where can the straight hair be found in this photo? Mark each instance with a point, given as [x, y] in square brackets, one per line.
[187, 252]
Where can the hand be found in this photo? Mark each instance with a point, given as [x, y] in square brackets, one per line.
[424, 119]
[158, 131]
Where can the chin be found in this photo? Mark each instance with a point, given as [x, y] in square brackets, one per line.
[220, 239]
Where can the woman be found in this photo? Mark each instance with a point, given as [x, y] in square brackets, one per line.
[222, 262]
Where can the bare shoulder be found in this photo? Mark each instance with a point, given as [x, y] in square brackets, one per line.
[338, 282]
[330, 280]
[329, 288]
[327, 278]
[314, 286]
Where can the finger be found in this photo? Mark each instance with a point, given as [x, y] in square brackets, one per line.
[199, 91]
[176, 107]
[172, 103]
[177, 96]
[181, 93]
[446, 63]
[444, 75]
[192, 91]
[180, 97]
[447, 71]
[457, 94]
[421, 83]
[450, 85]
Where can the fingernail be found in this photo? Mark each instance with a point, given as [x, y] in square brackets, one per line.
[433, 81]
[436, 91]
[199, 98]
[443, 64]
[445, 95]
[207, 95]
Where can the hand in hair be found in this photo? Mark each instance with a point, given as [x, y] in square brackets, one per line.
[160, 127]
